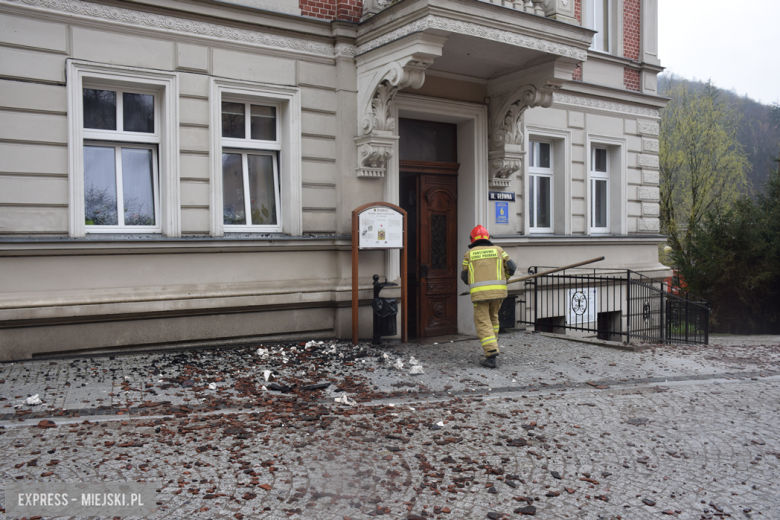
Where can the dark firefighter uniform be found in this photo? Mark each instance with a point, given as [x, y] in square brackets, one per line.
[486, 269]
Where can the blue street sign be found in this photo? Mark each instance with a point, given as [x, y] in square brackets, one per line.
[501, 195]
[502, 213]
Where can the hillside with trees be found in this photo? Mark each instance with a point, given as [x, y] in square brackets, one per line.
[720, 202]
[758, 127]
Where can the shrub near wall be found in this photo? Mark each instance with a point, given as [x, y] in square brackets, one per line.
[733, 262]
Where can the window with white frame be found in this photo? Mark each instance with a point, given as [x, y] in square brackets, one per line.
[124, 162]
[251, 143]
[598, 16]
[540, 187]
[599, 190]
[121, 136]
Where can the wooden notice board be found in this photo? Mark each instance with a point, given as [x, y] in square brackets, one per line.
[378, 225]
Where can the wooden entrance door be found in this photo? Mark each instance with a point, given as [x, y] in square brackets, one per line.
[434, 268]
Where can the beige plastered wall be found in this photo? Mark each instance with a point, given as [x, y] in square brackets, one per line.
[74, 296]
[68, 297]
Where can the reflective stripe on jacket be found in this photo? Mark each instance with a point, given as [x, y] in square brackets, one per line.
[487, 277]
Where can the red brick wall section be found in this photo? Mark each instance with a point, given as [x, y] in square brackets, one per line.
[318, 8]
[349, 10]
[631, 29]
[631, 79]
[577, 74]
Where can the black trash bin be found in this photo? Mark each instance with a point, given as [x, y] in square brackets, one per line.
[385, 311]
[506, 314]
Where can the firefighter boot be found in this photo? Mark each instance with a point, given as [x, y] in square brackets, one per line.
[489, 361]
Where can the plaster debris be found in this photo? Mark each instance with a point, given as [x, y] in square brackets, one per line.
[267, 375]
[399, 364]
[345, 400]
[33, 400]
[413, 361]
[261, 352]
[212, 386]
[440, 423]
[416, 369]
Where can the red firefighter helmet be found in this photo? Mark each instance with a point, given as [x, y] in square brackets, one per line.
[478, 233]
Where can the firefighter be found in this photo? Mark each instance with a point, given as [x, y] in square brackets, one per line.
[486, 268]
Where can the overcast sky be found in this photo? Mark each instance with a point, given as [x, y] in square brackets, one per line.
[735, 43]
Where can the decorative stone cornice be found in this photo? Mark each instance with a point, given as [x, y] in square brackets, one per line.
[175, 24]
[345, 50]
[479, 31]
[601, 104]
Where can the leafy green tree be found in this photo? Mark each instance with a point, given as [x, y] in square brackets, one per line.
[733, 261]
[702, 164]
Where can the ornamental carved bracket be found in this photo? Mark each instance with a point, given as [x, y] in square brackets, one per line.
[380, 77]
[506, 136]
[372, 7]
[377, 124]
[377, 89]
[374, 153]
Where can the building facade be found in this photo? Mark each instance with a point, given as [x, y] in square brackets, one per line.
[184, 171]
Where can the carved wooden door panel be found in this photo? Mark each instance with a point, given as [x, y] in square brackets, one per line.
[438, 255]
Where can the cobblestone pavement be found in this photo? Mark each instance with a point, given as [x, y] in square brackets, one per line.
[564, 429]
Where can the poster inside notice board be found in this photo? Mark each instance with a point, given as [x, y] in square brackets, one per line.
[381, 228]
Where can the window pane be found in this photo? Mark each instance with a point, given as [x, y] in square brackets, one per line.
[599, 160]
[99, 186]
[138, 112]
[263, 122]
[600, 204]
[233, 211]
[99, 109]
[532, 201]
[427, 141]
[233, 120]
[262, 201]
[137, 186]
[543, 217]
[544, 155]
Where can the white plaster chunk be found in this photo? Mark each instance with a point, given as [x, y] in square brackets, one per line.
[648, 161]
[651, 210]
[649, 128]
[650, 145]
[648, 224]
[650, 177]
[648, 193]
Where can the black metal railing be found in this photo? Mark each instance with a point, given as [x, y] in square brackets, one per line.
[613, 305]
